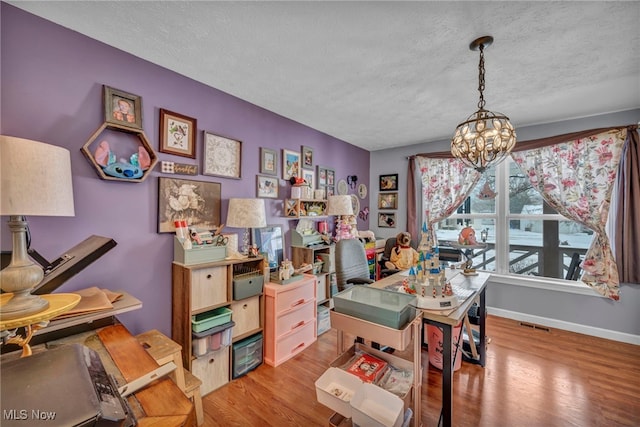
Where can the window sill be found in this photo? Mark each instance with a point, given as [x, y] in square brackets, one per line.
[546, 283]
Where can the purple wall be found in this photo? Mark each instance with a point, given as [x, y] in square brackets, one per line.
[51, 90]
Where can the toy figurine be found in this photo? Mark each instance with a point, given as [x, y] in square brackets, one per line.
[467, 237]
[138, 162]
[403, 256]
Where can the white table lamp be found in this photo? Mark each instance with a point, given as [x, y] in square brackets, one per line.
[35, 179]
[246, 213]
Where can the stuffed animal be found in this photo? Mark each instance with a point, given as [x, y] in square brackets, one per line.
[467, 237]
[138, 162]
[403, 256]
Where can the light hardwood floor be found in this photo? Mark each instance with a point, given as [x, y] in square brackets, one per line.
[532, 377]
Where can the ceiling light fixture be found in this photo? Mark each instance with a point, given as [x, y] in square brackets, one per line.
[485, 138]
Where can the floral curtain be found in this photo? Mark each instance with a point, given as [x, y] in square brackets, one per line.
[576, 178]
[446, 184]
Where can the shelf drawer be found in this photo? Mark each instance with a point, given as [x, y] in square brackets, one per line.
[208, 287]
[212, 369]
[246, 315]
[295, 297]
[293, 343]
[295, 319]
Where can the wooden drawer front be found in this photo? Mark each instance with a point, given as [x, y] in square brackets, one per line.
[292, 344]
[212, 369]
[208, 287]
[295, 297]
[246, 315]
[295, 319]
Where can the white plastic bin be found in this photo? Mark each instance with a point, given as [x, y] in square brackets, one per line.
[335, 388]
[372, 406]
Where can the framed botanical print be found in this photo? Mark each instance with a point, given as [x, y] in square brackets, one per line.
[307, 157]
[268, 161]
[177, 134]
[389, 182]
[197, 202]
[267, 186]
[122, 108]
[290, 164]
[221, 156]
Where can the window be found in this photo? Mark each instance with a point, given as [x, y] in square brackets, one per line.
[524, 235]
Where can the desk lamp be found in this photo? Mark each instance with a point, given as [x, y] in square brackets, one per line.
[246, 213]
[35, 179]
[342, 207]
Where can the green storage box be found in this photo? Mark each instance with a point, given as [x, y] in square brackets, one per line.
[387, 308]
[198, 254]
[203, 321]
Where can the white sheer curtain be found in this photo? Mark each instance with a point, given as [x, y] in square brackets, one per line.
[576, 178]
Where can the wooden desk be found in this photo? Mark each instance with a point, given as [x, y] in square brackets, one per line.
[447, 320]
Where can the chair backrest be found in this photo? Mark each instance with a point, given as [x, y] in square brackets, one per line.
[351, 261]
[573, 273]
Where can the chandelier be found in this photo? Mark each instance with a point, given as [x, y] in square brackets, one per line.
[484, 138]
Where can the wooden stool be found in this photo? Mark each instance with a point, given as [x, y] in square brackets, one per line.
[164, 350]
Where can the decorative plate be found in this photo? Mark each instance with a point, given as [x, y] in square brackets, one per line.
[355, 204]
[362, 191]
[343, 188]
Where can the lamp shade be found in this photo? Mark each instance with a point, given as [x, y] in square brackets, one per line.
[340, 205]
[35, 178]
[246, 213]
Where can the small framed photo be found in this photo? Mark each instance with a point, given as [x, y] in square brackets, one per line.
[268, 161]
[290, 164]
[389, 182]
[197, 202]
[267, 186]
[177, 134]
[221, 156]
[122, 108]
[310, 177]
[322, 177]
[386, 220]
[307, 157]
[388, 201]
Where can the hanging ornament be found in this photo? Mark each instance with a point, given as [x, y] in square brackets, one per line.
[486, 192]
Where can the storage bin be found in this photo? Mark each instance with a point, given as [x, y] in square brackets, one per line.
[434, 343]
[324, 319]
[198, 254]
[247, 285]
[387, 308]
[335, 388]
[372, 406]
[247, 355]
[207, 320]
[212, 339]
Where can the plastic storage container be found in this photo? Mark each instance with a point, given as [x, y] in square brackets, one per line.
[335, 388]
[387, 308]
[324, 319]
[212, 339]
[372, 406]
[207, 320]
[247, 355]
[247, 285]
[434, 343]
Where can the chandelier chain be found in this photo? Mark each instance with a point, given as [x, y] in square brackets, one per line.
[481, 78]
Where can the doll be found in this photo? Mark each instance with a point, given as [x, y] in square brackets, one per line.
[403, 256]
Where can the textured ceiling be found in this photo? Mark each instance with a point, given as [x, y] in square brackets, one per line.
[383, 74]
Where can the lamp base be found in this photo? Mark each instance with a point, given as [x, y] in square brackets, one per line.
[22, 305]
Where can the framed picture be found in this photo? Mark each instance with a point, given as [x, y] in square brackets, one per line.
[389, 182]
[268, 161]
[310, 177]
[386, 220]
[177, 134]
[197, 202]
[221, 156]
[307, 157]
[290, 163]
[267, 186]
[388, 201]
[122, 108]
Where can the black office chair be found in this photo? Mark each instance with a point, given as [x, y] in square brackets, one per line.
[386, 256]
[352, 267]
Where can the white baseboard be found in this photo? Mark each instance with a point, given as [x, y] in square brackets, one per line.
[567, 326]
